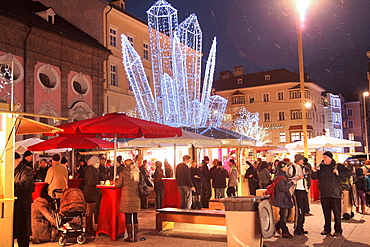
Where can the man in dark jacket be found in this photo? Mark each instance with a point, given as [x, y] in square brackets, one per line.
[328, 174]
[42, 171]
[205, 180]
[23, 188]
[184, 183]
[251, 175]
[282, 198]
[27, 159]
[219, 176]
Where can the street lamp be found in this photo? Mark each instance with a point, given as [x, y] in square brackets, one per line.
[302, 7]
[365, 94]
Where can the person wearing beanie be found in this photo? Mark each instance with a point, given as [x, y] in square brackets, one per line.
[328, 174]
[57, 176]
[298, 172]
[91, 193]
[27, 158]
[64, 162]
[23, 187]
[282, 198]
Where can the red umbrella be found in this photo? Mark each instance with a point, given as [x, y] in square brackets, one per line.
[119, 125]
[71, 142]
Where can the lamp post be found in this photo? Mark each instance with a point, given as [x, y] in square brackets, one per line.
[365, 94]
[302, 6]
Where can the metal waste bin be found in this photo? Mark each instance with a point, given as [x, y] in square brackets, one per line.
[249, 219]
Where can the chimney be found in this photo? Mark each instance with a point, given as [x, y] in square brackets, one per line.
[238, 70]
[223, 75]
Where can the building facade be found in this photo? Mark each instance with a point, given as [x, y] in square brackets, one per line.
[57, 68]
[333, 114]
[106, 21]
[276, 96]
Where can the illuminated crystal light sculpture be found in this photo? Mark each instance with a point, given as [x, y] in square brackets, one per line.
[176, 53]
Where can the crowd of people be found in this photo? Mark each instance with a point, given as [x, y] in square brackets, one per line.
[291, 181]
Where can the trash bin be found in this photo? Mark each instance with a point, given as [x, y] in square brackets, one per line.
[249, 219]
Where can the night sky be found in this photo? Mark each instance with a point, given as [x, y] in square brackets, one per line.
[262, 35]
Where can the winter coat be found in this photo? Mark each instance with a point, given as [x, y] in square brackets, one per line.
[219, 176]
[57, 178]
[23, 188]
[233, 177]
[91, 193]
[158, 182]
[197, 182]
[264, 178]
[282, 196]
[183, 175]
[130, 199]
[329, 182]
[42, 219]
[41, 173]
[253, 181]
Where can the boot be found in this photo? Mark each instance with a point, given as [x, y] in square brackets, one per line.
[129, 232]
[89, 226]
[358, 209]
[136, 229]
[363, 208]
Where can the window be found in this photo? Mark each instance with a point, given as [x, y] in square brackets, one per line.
[307, 94]
[350, 124]
[251, 98]
[130, 39]
[266, 117]
[113, 37]
[296, 114]
[113, 75]
[267, 77]
[238, 100]
[295, 94]
[240, 81]
[336, 117]
[280, 95]
[146, 51]
[282, 137]
[281, 115]
[296, 136]
[266, 97]
[48, 78]
[351, 136]
[349, 112]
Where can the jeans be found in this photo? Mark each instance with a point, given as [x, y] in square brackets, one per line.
[281, 224]
[302, 208]
[158, 198]
[219, 193]
[185, 197]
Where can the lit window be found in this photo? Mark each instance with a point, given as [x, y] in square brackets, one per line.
[146, 51]
[282, 137]
[113, 37]
[351, 136]
[113, 75]
[296, 136]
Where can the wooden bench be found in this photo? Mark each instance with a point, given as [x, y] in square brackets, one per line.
[166, 217]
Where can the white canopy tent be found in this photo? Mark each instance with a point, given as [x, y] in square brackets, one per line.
[324, 142]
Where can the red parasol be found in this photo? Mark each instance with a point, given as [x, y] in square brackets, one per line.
[71, 142]
[119, 125]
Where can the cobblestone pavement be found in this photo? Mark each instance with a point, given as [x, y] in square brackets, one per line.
[356, 233]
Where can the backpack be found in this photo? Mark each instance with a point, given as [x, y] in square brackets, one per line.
[270, 190]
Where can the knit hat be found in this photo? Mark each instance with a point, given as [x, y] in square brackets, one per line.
[93, 160]
[27, 153]
[55, 157]
[329, 154]
[16, 155]
[298, 157]
[63, 160]
[281, 165]
[206, 158]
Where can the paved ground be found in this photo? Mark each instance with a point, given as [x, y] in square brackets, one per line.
[356, 234]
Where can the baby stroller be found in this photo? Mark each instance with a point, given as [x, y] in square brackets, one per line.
[70, 215]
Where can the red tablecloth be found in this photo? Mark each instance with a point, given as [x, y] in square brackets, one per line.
[75, 183]
[314, 190]
[38, 189]
[111, 220]
[171, 194]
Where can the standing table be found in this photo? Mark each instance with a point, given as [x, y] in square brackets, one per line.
[171, 194]
[111, 220]
[75, 183]
[314, 189]
[38, 189]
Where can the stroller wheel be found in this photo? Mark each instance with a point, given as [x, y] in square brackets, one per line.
[62, 240]
[81, 239]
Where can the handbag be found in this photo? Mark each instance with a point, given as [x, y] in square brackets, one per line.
[144, 190]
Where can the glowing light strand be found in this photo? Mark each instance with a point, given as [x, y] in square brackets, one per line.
[176, 52]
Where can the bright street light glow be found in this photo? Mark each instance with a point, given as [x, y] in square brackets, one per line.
[308, 104]
[302, 6]
[366, 94]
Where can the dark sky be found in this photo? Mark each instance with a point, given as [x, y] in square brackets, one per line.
[261, 35]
